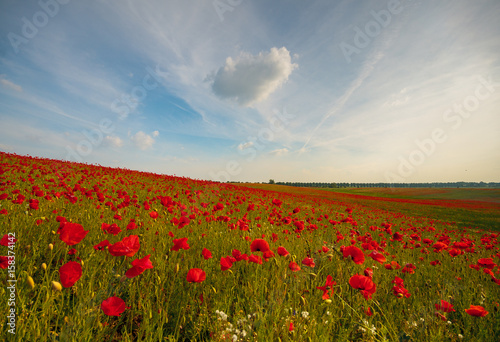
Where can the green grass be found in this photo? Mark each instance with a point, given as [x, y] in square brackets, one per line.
[253, 302]
[483, 218]
[470, 194]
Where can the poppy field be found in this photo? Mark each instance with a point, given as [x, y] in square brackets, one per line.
[106, 254]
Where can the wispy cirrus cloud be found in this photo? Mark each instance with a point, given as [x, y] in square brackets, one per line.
[10, 85]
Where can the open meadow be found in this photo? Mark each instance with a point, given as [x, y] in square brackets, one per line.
[102, 254]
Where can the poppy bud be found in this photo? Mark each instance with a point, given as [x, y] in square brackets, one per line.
[66, 319]
[328, 301]
[56, 286]
[51, 246]
[30, 282]
[44, 266]
[176, 268]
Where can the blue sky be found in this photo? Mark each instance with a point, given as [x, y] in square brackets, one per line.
[249, 90]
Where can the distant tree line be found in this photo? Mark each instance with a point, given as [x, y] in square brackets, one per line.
[391, 185]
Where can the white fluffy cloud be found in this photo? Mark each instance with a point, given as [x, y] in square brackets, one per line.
[249, 79]
[244, 146]
[280, 152]
[114, 141]
[143, 140]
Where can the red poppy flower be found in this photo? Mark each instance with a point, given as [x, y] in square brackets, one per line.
[72, 233]
[180, 243]
[128, 246]
[255, 258]
[4, 262]
[291, 327]
[69, 273]
[293, 266]
[379, 257]
[439, 246]
[400, 291]
[363, 283]
[368, 272]
[259, 245]
[225, 263]
[153, 214]
[445, 306]
[131, 226]
[277, 202]
[477, 311]
[327, 288]
[397, 236]
[113, 306]
[282, 251]
[435, 262]
[33, 203]
[6, 239]
[139, 266]
[355, 253]
[206, 254]
[238, 256]
[369, 311]
[398, 281]
[218, 206]
[455, 252]
[308, 262]
[111, 228]
[72, 251]
[268, 255]
[409, 268]
[486, 263]
[183, 221]
[488, 271]
[393, 265]
[101, 245]
[196, 275]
